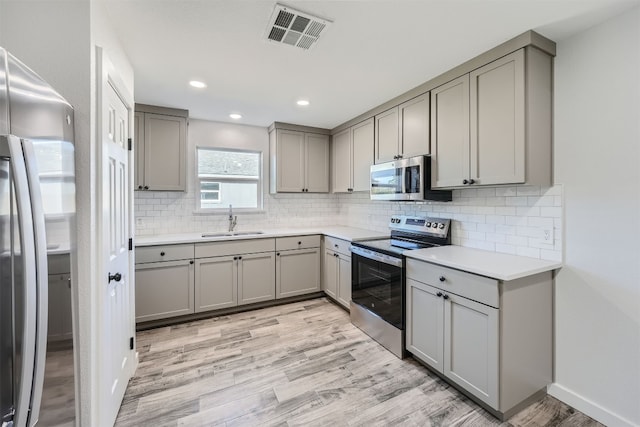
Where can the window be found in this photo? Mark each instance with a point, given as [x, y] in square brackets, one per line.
[228, 177]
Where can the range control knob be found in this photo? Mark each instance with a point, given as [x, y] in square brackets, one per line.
[428, 224]
[434, 225]
[441, 226]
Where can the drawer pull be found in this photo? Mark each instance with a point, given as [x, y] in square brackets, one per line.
[442, 278]
[299, 243]
[336, 245]
[162, 253]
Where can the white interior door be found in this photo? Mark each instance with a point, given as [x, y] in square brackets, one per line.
[116, 302]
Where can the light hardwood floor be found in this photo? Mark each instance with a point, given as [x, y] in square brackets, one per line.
[300, 364]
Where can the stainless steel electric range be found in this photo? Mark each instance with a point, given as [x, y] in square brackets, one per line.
[378, 277]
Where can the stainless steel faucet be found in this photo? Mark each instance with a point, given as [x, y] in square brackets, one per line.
[233, 220]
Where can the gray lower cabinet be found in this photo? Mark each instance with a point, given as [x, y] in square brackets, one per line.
[297, 265]
[60, 326]
[337, 270]
[234, 273]
[490, 338]
[164, 289]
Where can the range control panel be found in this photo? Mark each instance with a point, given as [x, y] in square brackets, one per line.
[433, 226]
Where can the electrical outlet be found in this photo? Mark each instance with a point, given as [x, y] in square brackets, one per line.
[547, 235]
[140, 222]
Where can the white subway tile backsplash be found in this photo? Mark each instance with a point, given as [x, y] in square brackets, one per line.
[503, 219]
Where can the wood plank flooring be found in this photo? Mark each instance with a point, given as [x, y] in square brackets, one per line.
[300, 364]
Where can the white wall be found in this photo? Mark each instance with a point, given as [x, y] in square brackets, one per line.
[597, 159]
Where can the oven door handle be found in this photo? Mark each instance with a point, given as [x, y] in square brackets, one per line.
[383, 258]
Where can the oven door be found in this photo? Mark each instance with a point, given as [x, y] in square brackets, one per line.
[378, 286]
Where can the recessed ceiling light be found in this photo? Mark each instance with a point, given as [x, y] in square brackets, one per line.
[303, 102]
[235, 116]
[198, 84]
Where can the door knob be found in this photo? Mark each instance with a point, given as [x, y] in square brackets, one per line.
[117, 277]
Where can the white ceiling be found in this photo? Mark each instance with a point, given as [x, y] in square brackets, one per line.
[373, 51]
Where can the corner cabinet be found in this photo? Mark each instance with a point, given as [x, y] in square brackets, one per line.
[299, 161]
[336, 277]
[164, 281]
[493, 125]
[491, 339]
[297, 265]
[353, 157]
[403, 131]
[160, 148]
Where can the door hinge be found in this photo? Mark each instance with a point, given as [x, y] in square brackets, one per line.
[130, 144]
[131, 343]
[130, 244]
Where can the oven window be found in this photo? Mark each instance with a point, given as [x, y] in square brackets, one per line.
[378, 287]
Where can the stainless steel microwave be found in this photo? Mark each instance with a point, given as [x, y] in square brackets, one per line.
[405, 179]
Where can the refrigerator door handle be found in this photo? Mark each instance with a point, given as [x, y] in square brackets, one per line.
[12, 146]
[42, 280]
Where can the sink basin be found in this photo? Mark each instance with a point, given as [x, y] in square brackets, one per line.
[232, 233]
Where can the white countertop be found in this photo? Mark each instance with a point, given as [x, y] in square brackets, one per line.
[491, 264]
[350, 234]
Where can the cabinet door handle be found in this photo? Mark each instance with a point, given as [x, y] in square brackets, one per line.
[146, 187]
[439, 294]
[336, 246]
[235, 258]
[445, 296]
[139, 187]
[239, 257]
[117, 277]
[465, 181]
[442, 278]
[472, 181]
[191, 262]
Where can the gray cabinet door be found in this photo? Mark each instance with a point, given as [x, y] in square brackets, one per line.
[165, 152]
[216, 283]
[60, 325]
[425, 329]
[450, 133]
[164, 289]
[256, 277]
[290, 161]
[498, 121]
[387, 136]
[297, 272]
[342, 162]
[330, 273]
[138, 151]
[344, 280]
[471, 333]
[414, 126]
[362, 140]
[317, 163]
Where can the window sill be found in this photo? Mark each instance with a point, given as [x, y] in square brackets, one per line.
[225, 212]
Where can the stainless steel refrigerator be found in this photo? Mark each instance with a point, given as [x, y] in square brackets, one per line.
[37, 212]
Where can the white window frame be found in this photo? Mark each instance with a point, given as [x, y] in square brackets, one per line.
[222, 208]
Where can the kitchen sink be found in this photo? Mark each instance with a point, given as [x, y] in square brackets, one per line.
[233, 233]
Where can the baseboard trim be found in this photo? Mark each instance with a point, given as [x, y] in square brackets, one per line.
[588, 407]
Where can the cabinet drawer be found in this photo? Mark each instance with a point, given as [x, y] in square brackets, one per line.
[297, 242]
[472, 286]
[163, 253]
[337, 245]
[212, 249]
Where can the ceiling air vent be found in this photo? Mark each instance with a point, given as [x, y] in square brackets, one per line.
[294, 28]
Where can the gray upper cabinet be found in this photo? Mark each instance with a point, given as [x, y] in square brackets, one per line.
[160, 148]
[493, 125]
[299, 161]
[387, 136]
[353, 157]
[403, 131]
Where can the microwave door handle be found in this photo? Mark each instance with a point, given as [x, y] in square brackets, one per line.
[11, 145]
[42, 296]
